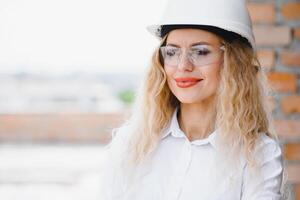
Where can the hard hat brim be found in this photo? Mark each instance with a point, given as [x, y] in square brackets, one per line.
[240, 29]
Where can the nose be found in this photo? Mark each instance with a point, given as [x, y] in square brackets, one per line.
[184, 63]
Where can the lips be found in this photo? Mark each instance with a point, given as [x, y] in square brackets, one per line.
[185, 82]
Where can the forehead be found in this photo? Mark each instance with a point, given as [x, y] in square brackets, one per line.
[188, 36]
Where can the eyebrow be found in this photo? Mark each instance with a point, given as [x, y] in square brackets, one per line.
[193, 44]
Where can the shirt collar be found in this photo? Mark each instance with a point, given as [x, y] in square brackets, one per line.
[174, 130]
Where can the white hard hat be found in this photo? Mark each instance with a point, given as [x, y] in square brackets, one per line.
[229, 15]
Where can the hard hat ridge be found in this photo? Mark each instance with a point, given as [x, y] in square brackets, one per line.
[231, 16]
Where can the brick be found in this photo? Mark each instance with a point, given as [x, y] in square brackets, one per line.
[287, 129]
[283, 82]
[290, 104]
[291, 11]
[266, 58]
[290, 58]
[281, 35]
[293, 175]
[292, 151]
[262, 12]
[297, 33]
[297, 192]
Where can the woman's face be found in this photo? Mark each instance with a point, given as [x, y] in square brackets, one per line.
[194, 78]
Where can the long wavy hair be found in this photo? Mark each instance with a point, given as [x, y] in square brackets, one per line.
[241, 103]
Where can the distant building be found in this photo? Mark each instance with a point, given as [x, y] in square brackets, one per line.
[78, 93]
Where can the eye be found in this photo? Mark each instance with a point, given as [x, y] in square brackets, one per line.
[171, 52]
[201, 52]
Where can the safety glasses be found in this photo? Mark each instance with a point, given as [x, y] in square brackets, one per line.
[198, 55]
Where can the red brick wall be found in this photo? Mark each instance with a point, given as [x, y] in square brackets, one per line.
[277, 32]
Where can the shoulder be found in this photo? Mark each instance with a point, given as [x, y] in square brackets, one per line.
[115, 151]
[268, 146]
[266, 179]
[268, 153]
[120, 135]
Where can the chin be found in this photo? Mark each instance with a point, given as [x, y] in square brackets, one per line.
[193, 98]
[188, 100]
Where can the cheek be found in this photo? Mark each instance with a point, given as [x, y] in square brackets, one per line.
[213, 74]
[169, 73]
[169, 70]
[212, 79]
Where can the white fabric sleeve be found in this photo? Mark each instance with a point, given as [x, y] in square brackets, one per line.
[266, 185]
[112, 184]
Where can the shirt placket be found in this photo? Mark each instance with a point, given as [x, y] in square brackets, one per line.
[180, 171]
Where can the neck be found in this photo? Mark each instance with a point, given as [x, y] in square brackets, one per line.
[197, 121]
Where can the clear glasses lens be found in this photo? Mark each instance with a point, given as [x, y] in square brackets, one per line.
[198, 55]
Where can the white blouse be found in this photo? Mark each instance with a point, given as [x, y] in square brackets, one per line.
[184, 170]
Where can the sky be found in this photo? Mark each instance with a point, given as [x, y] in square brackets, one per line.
[63, 36]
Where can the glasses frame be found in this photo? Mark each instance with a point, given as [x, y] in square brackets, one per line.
[222, 48]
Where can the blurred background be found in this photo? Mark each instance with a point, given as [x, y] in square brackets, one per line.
[69, 70]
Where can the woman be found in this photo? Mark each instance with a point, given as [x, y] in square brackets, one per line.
[200, 128]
